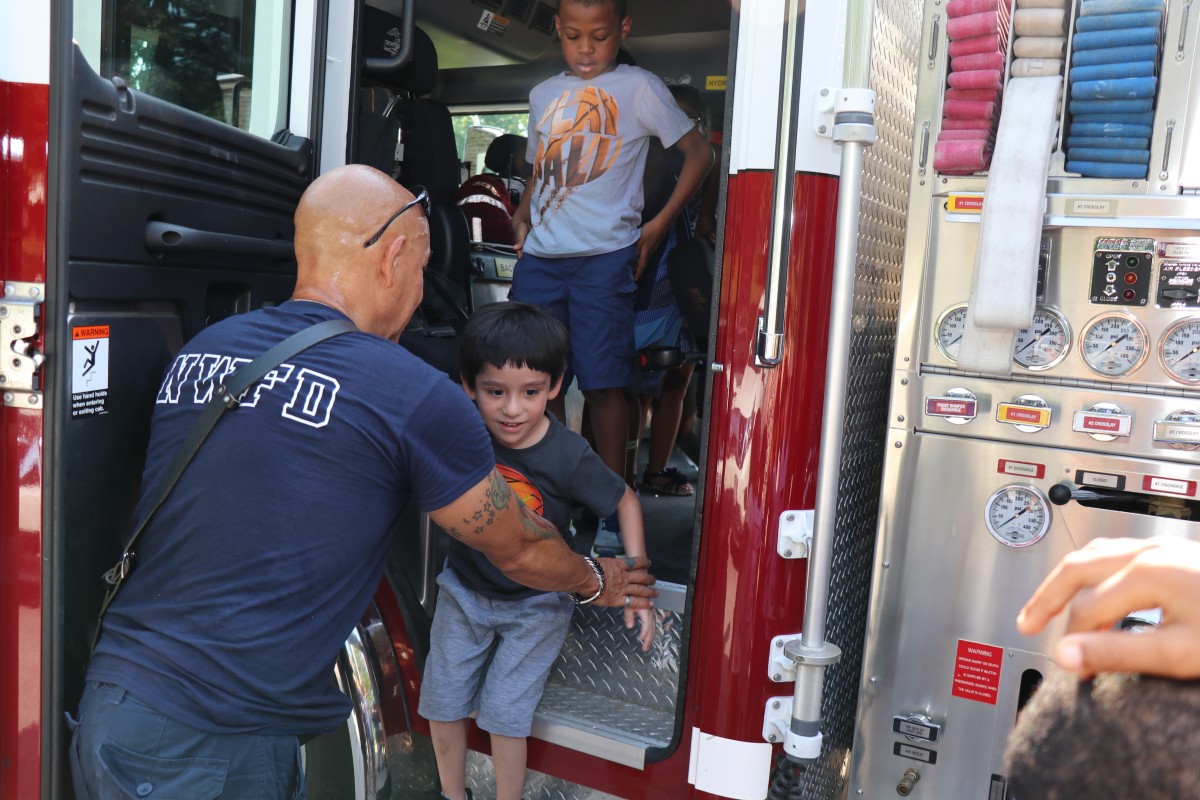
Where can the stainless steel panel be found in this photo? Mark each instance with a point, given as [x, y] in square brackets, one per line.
[941, 578]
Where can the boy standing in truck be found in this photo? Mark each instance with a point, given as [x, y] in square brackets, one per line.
[577, 228]
[493, 640]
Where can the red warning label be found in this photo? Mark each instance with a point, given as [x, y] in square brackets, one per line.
[977, 671]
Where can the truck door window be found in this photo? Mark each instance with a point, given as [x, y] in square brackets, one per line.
[225, 59]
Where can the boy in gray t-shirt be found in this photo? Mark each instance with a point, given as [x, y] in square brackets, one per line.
[577, 228]
[494, 641]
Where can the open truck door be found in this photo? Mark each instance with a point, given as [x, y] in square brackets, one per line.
[178, 142]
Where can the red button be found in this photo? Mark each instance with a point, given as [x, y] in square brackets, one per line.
[1131, 278]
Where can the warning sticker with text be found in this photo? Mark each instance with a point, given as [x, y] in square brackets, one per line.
[89, 370]
[977, 671]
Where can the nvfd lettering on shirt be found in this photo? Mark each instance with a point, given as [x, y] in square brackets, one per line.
[313, 393]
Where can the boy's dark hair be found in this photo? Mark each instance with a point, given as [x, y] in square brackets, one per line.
[619, 6]
[511, 333]
[1117, 735]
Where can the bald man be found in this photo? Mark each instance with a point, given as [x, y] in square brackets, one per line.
[215, 658]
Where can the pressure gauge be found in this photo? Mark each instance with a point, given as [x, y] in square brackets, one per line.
[1179, 351]
[949, 331]
[1045, 343]
[1114, 345]
[1017, 515]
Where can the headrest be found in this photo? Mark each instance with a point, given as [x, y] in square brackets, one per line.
[379, 37]
[506, 156]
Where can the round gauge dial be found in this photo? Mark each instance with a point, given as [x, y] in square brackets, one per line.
[1114, 345]
[1179, 351]
[1045, 343]
[1017, 515]
[950, 327]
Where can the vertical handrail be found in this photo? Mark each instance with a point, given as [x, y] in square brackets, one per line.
[768, 350]
[854, 130]
[851, 126]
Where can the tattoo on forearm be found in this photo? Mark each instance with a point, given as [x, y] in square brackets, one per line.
[536, 525]
[499, 497]
[499, 492]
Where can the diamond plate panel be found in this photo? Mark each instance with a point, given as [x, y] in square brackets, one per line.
[894, 60]
[602, 657]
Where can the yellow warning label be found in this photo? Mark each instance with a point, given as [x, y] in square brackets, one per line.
[715, 83]
[1023, 415]
[965, 203]
[90, 332]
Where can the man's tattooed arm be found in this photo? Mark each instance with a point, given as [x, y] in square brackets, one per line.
[498, 497]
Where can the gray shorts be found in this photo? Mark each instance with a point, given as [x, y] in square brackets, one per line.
[491, 656]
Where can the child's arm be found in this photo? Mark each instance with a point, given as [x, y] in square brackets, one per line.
[521, 220]
[697, 160]
[633, 537]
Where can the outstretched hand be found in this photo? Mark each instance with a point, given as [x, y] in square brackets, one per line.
[627, 577]
[1107, 580]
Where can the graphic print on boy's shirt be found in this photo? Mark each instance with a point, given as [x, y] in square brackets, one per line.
[579, 142]
[522, 487]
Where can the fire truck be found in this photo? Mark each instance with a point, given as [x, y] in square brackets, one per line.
[953, 335]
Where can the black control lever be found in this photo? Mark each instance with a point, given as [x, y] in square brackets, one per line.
[1061, 494]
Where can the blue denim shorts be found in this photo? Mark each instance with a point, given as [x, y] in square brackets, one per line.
[122, 748]
[593, 297]
[491, 656]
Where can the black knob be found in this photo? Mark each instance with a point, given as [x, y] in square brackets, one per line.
[1060, 494]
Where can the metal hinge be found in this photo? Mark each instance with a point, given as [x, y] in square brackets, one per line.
[19, 359]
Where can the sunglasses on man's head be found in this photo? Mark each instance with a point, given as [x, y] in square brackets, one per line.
[421, 199]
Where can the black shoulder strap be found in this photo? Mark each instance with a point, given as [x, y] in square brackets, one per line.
[225, 396]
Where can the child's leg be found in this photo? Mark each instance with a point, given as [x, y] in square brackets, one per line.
[508, 759]
[606, 409]
[635, 407]
[664, 425]
[450, 748]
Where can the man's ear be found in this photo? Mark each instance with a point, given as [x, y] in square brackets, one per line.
[389, 267]
[556, 388]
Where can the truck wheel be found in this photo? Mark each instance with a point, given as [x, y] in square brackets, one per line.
[351, 762]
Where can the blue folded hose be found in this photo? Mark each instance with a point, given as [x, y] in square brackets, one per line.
[1126, 143]
[1108, 22]
[1095, 169]
[1103, 40]
[1092, 7]
[1108, 72]
[1106, 129]
[1112, 106]
[1143, 118]
[1109, 155]
[1119, 89]
[1115, 55]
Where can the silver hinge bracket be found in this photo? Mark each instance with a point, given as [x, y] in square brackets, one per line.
[19, 360]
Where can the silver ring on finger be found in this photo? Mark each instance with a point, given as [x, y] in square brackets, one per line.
[628, 600]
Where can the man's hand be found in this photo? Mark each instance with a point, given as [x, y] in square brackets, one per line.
[627, 577]
[1105, 581]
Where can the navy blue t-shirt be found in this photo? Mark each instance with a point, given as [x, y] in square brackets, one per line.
[263, 558]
